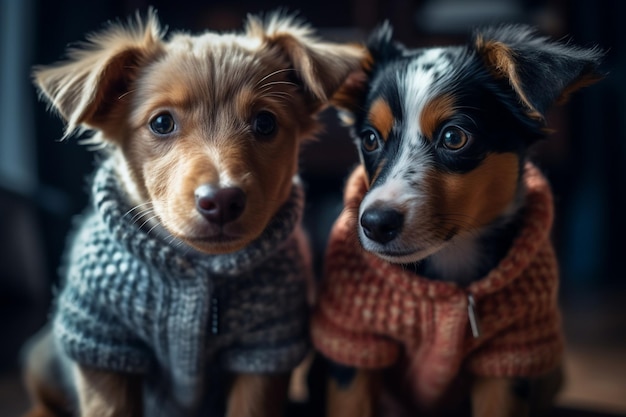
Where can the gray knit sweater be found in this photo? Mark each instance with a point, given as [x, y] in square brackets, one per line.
[134, 302]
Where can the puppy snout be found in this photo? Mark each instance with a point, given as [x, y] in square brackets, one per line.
[220, 205]
[381, 225]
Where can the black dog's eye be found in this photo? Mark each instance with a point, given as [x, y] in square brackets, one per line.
[454, 138]
[369, 140]
[162, 124]
[264, 124]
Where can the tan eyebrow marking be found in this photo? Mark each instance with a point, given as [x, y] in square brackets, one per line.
[435, 112]
[381, 117]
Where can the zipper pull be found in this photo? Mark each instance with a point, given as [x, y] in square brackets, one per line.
[215, 316]
[473, 316]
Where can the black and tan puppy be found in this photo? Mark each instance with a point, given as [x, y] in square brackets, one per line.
[440, 272]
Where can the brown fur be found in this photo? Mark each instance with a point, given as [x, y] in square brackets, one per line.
[213, 86]
[494, 397]
[478, 195]
[436, 111]
[258, 396]
[51, 401]
[108, 394]
[188, 76]
[352, 92]
[381, 117]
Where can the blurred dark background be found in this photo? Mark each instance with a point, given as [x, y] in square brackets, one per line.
[42, 180]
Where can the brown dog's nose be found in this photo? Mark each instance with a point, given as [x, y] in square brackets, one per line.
[220, 205]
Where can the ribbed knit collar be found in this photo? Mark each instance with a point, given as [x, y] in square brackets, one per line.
[172, 256]
[536, 225]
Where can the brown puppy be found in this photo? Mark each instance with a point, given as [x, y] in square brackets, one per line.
[440, 274]
[192, 260]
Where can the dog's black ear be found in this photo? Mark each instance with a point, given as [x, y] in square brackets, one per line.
[380, 49]
[321, 67]
[539, 70]
[86, 87]
[381, 45]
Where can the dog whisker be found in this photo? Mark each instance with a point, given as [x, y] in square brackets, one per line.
[173, 241]
[148, 221]
[141, 215]
[271, 74]
[125, 94]
[272, 83]
[137, 207]
[280, 95]
[156, 224]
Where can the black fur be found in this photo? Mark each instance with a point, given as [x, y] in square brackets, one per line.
[545, 67]
[502, 83]
[491, 110]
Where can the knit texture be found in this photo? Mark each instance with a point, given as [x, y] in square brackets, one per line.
[136, 300]
[371, 311]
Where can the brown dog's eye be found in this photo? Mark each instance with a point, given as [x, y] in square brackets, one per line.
[264, 124]
[454, 138]
[162, 124]
[369, 140]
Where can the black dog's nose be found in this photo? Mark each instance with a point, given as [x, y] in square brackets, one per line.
[220, 205]
[381, 225]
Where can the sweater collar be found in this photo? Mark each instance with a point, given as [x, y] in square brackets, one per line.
[170, 255]
[534, 234]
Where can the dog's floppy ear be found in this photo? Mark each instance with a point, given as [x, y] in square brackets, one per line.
[86, 87]
[539, 70]
[321, 67]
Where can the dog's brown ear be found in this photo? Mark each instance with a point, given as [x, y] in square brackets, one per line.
[320, 66]
[88, 86]
[540, 71]
[350, 96]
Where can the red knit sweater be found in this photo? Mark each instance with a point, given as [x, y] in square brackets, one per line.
[370, 311]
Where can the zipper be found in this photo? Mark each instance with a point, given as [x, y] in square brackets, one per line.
[473, 316]
[215, 316]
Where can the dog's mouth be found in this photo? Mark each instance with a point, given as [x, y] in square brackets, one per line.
[401, 257]
[400, 254]
[395, 255]
[219, 238]
[219, 243]
[209, 239]
[406, 257]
